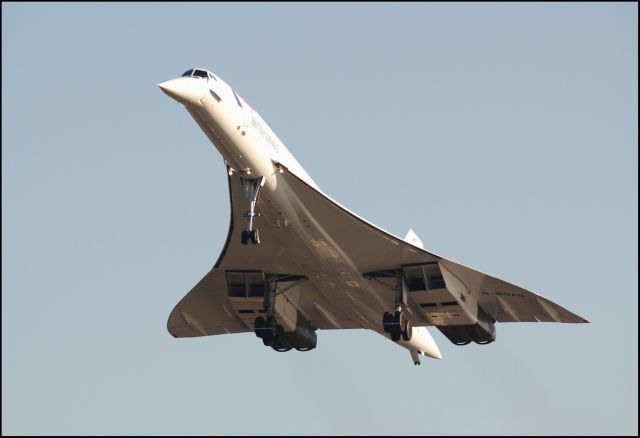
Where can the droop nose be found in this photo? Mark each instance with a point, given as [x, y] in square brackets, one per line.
[184, 90]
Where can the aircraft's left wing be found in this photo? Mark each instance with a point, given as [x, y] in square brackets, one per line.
[210, 307]
[206, 310]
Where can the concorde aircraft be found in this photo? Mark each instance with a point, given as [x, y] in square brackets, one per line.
[314, 264]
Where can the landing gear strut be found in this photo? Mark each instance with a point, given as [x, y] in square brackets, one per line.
[302, 338]
[267, 329]
[396, 324]
[251, 188]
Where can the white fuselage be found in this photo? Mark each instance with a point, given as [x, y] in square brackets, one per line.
[251, 149]
[243, 138]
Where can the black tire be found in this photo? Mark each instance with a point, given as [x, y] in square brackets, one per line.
[255, 237]
[396, 333]
[387, 319]
[244, 238]
[399, 319]
[269, 332]
[279, 333]
[407, 333]
[267, 338]
[259, 326]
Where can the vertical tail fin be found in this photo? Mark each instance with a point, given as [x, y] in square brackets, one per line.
[413, 239]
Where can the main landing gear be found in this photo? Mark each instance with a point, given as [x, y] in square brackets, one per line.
[266, 328]
[302, 338]
[251, 188]
[396, 323]
[397, 326]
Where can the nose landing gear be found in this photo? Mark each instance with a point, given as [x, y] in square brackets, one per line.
[251, 188]
[252, 236]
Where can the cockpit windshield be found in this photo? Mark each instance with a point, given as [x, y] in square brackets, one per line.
[198, 73]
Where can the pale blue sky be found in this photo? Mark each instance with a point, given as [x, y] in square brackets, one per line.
[505, 135]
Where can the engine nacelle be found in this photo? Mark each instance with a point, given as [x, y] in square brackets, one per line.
[482, 332]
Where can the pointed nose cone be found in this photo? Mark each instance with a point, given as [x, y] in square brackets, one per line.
[184, 90]
[170, 88]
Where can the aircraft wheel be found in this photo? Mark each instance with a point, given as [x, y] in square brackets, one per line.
[259, 324]
[244, 238]
[255, 237]
[399, 319]
[279, 332]
[408, 331]
[387, 319]
[267, 338]
[396, 333]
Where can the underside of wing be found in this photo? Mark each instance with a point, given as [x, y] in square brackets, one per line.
[342, 272]
[232, 295]
[505, 302]
[210, 307]
[367, 246]
[205, 310]
[440, 292]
